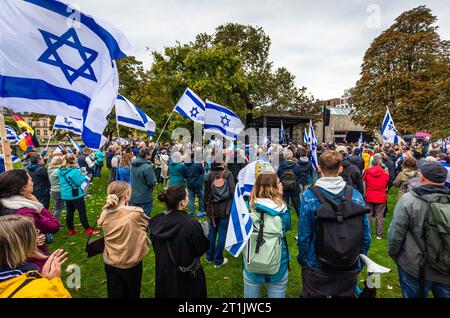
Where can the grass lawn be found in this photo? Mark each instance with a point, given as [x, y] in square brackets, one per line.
[222, 282]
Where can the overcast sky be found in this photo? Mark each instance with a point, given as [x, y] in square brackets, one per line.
[321, 42]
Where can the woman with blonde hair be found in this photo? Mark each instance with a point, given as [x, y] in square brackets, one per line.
[266, 201]
[55, 186]
[126, 242]
[72, 193]
[18, 278]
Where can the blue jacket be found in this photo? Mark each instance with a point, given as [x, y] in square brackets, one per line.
[194, 174]
[143, 179]
[123, 174]
[176, 173]
[70, 178]
[285, 165]
[307, 227]
[285, 257]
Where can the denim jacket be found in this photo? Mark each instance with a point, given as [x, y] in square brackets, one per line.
[307, 227]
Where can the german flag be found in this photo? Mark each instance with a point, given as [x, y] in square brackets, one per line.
[23, 124]
[27, 140]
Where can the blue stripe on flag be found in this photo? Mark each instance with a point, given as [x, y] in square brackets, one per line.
[61, 8]
[181, 112]
[130, 121]
[221, 129]
[386, 121]
[68, 128]
[38, 89]
[221, 109]
[91, 139]
[195, 100]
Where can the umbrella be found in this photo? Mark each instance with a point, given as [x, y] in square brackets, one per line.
[423, 135]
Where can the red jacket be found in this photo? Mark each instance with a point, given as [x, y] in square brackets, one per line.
[45, 222]
[376, 180]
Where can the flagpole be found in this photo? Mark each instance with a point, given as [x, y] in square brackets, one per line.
[6, 147]
[167, 121]
[49, 139]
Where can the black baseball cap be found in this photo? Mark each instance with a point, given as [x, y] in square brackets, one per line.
[433, 171]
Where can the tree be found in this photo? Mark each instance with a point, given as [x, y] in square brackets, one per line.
[407, 69]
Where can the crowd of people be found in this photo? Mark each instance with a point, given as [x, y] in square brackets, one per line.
[334, 203]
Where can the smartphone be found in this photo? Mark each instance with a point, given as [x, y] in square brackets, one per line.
[83, 169]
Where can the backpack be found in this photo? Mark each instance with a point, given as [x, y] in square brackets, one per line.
[220, 190]
[339, 231]
[289, 180]
[262, 254]
[115, 161]
[437, 236]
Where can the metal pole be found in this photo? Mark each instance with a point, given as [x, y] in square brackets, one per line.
[167, 121]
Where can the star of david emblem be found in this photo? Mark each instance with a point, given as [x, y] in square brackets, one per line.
[225, 121]
[390, 126]
[194, 112]
[70, 39]
[67, 121]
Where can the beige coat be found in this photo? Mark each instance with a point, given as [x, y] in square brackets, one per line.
[401, 182]
[126, 240]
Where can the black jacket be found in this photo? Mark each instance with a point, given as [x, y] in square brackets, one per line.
[352, 176]
[41, 182]
[220, 209]
[194, 175]
[109, 156]
[235, 168]
[390, 165]
[306, 170]
[358, 162]
[187, 241]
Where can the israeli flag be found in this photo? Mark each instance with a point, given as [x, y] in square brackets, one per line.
[15, 159]
[221, 120]
[87, 180]
[74, 143]
[191, 106]
[121, 141]
[360, 143]
[57, 60]
[11, 134]
[129, 115]
[305, 137]
[388, 131]
[313, 145]
[74, 125]
[282, 134]
[240, 226]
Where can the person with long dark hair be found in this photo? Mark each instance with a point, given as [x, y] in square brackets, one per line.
[16, 188]
[179, 241]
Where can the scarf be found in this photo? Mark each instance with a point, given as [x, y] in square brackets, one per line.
[18, 202]
[332, 185]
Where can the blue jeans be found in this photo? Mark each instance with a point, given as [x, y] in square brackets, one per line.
[410, 286]
[97, 171]
[147, 207]
[215, 253]
[277, 289]
[192, 193]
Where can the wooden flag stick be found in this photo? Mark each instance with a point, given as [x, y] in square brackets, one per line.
[6, 147]
[167, 121]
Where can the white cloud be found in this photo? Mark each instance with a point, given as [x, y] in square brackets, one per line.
[322, 42]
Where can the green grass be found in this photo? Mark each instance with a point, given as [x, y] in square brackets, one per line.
[222, 282]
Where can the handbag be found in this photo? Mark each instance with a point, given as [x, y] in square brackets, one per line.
[95, 246]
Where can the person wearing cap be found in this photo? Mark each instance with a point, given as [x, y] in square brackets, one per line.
[405, 234]
[350, 173]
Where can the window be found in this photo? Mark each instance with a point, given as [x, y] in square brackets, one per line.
[38, 132]
[45, 132]
[45, 123]
[30, 123]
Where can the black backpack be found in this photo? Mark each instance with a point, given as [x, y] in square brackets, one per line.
[220, 190]
[339, 231]
[289, 180]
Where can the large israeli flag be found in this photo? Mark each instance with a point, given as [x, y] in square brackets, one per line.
[221, 120]
[313, 145]
[191, 106]
[57, 60]
[129, 115]
[74, 125]
[240, 226]
[388, 131]
[11, 134]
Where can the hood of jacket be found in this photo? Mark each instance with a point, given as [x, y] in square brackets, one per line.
[270, 207]
[346, 163]
[139, 162]
[410, 173]
[303, 160]
[331, 184]
[288, 164]
[376, 171]
[431, 192]
[166, 226]
[32, 167]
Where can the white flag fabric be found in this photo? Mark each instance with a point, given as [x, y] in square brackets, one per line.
[74, 144]
[282, 134]
[87, 180]
[360, 143]
[221, 120]
[57, 60]
[313, 145]
[11, 134]
[388, 130]
[191, 106]
[129, 115]
[240, 226]
[306, 137]
[74, 125]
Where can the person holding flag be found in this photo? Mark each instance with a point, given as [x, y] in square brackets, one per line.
[388, 131]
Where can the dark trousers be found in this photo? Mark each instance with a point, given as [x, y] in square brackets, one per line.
[45, 201]
[71, 206]
[97, 171]
[124, 283]
[319, 283]
[295, 199]
[112, 175]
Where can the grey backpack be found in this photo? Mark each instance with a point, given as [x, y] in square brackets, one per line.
[220, 190]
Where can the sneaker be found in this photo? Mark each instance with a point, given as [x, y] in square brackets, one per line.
[201, 214]
[90, 230]
[225, 260]
[296, 238]
[379, 238]
[72, 232]
[209, 262]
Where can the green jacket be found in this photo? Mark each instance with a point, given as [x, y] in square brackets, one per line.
[405, 233]
[55, 186]
[142, 177]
